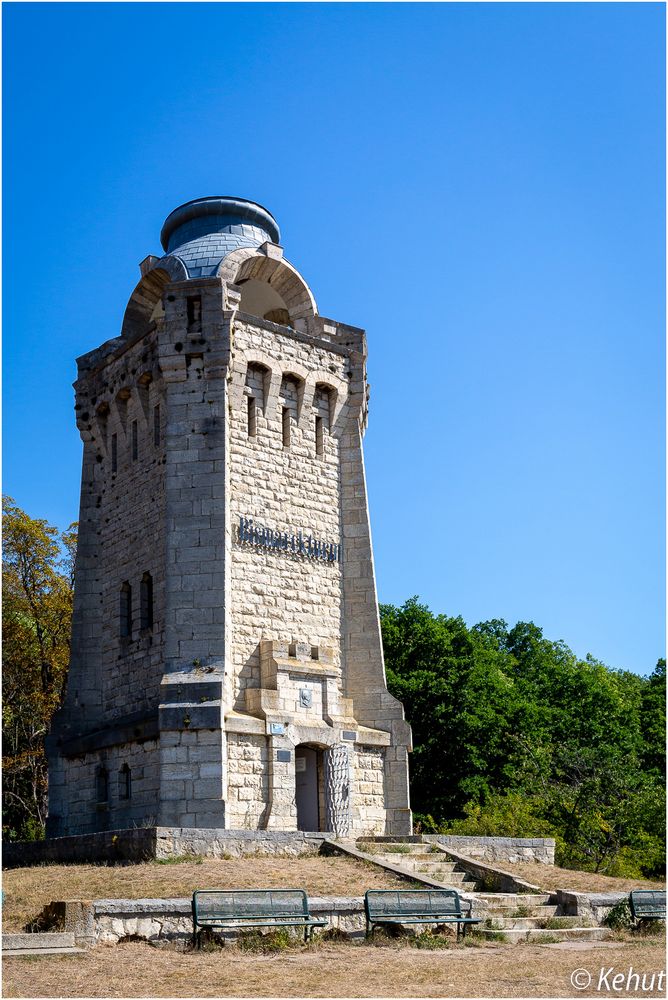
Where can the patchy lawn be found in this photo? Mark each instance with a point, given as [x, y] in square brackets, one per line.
[328, 970]
[552, 877]
[28, 890]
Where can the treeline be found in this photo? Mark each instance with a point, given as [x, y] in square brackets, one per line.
[37, 582]
[516, 736]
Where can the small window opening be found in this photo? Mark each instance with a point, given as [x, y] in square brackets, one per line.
[319, 437]
[156, 425]
[114, 453]
[194, 313]
[315, 652]
[125, 782]
[252, 417]
[286, 427]
[146, 601]
[135, 441]
[292, 649]
[102, 785]
[126, 610]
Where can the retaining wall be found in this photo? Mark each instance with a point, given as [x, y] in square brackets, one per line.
[164, 922]
[158, 842]
[512, 849]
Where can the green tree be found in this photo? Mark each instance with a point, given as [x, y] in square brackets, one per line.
[514, 734]
[37, 585]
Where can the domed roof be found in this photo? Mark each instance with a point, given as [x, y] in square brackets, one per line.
[202, 232]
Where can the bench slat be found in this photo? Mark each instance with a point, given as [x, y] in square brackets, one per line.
[648, 903]
[252, 908]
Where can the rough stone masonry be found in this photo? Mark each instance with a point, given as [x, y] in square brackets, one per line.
[227, 669]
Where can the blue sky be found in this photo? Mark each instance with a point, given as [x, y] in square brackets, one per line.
[480, 186]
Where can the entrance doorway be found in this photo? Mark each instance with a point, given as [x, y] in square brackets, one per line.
[307, 788]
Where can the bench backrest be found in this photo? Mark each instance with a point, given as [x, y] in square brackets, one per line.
[412, 903]
[648, 902]
[228, 904]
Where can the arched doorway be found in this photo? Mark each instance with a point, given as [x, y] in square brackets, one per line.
[308, 784]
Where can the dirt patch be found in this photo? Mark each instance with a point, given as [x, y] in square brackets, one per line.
[28, 890]
[137, 970]
[552, 877]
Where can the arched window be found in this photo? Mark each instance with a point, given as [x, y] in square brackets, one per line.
[256, 385]
[290, 397]
[146, 602]
[125, 782]
[322, 407]
[126, 609]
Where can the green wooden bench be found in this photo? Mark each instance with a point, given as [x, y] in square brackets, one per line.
[415, 906]
[648, 904]
[247, 908]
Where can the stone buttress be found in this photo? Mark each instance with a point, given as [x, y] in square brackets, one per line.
[227, 667]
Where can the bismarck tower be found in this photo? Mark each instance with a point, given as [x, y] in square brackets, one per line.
[226, 669]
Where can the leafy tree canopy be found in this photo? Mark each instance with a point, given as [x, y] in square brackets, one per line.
[37, 580]
[515, 735]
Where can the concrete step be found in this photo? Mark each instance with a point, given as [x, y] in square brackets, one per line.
[435, 866]
[40, 944]
[31, 952]
[515, 898]
[568, 934]
[401, 859]
[542, 912]
[452, 878]
[387, 847]
[530, 923]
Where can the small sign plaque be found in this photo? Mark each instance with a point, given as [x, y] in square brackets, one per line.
[283, 756]
[349, 735]
[277, 729]
[300, 763]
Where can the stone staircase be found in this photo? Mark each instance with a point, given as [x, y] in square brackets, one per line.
[508, 916]
[39, 944]
[515, 917]
[421, 859]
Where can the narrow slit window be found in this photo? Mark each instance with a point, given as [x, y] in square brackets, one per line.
[135, 441]
[114, 453]
[286, 427]
[126, 610]
[194, 313]
[146, 602]
[156, 425]
[252, 417]
[102, 786]
[125, 782]
[319, 437]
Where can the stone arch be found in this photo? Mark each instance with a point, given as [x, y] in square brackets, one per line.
[143, 301]
[244, 264]
[338, 389]
[240, 363]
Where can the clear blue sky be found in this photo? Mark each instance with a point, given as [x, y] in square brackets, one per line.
[480, 186]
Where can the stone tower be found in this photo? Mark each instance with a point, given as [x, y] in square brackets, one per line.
[226, 668]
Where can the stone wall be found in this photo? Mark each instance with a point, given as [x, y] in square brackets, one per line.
[498, 848]
[169, 922]
[142, 844]
[248, 781]
[368, 790]
[287, 488]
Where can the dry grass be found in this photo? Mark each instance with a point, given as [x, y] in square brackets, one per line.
[138, 970]
[551, 877]
[28, 890]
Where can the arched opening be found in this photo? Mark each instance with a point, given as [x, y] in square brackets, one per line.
[260, 299]
[309, 787]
